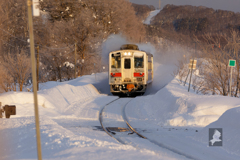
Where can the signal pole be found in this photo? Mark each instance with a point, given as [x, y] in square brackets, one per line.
[192, 69]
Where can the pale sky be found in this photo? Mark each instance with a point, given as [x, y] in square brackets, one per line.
[231, 5]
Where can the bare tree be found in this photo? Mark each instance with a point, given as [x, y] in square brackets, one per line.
[217, 51]
[233, 46]
[18, 67]
[6, 80]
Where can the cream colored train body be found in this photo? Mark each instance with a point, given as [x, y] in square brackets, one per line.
[130, 70]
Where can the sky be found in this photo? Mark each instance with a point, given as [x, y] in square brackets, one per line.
[230, 5]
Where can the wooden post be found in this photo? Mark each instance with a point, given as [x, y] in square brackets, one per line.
[34, 78]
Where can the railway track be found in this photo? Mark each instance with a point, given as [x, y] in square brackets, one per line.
[111, 131]
[101, 121]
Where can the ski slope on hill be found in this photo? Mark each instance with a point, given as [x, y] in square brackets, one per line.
[151, 15]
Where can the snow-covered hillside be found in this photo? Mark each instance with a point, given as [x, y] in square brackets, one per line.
[151, 15]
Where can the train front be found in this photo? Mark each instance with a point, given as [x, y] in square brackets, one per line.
[127, 72]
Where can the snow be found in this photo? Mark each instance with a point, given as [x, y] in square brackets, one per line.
[175, 121]
[173, 117]
[231, 128]
[151, 15]
[70, 127]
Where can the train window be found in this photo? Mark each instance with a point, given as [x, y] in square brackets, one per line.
[116, 61]
[127, 63]
[149, 65]
[138, 62]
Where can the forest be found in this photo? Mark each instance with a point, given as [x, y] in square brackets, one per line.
[63, 29]
[70, 34]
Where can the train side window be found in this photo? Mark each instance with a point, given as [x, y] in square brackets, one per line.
[116, 61]
[149, 65]
[127, 63]
[138, 62]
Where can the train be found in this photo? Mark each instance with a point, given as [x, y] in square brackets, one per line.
[130, 70]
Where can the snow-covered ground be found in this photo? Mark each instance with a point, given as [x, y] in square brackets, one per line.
[70, 128]
[175, 121]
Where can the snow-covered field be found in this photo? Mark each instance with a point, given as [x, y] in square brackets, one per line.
[70, 128]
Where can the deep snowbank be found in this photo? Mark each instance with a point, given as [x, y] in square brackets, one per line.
[229, 122]
[175, 106]
[174, 116]
[52, 101]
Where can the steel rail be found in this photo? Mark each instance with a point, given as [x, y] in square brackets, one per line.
[101, 121]
[133, 130]
[127, 122]
[153, 141]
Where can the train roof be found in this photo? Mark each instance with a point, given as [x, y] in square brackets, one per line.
[149, 54]
[129, 47]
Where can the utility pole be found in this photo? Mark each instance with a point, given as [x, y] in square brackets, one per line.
[38, 67]
[75, 65]
[34, 78]
[159, 4]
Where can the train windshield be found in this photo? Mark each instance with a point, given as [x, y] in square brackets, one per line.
[138, 62]
[116, 61]
[127, 63]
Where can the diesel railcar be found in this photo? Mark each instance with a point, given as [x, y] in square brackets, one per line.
[130, 70]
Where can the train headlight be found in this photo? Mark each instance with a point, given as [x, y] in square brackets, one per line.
[127, 53]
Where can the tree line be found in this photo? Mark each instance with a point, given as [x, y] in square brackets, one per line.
[64, 28]
[213, 55]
